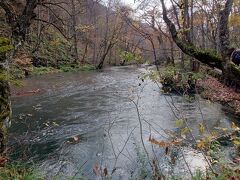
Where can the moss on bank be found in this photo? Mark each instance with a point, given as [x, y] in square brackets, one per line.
[63, 68]
[176, 80]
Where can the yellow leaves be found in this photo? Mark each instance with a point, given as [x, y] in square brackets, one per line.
[179, 122]
[236, 142]
[55, 42]
[185, 131]
[205, 142]
[235, 139]
[215, 133]
[224, 130]
[201, 128]
[235, 127]
[201, 144]
[234, 20]
[236, 2]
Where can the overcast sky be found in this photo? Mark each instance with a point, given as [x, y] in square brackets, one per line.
[129, 3]
[132, 4]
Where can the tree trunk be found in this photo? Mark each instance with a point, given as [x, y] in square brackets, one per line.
[100, 65]
[224, 39]
[19, 24]
[74, 24]
[5, 109]
[156, 62]
[85, 54]
[5, 103]
[208, 57]
[182, 60]
[172, 51]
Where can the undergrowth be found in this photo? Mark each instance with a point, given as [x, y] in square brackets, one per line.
[19, 172]
[63, 68]
[174, 78]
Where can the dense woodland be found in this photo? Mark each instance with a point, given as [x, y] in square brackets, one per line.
[93, 34]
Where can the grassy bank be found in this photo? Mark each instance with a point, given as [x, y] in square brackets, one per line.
[64, 68]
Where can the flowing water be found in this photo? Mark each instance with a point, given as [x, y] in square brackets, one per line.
[80, 123]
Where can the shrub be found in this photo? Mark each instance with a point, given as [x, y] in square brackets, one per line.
[87, 67]
[173, 78]
[44, 70]
[19, 171]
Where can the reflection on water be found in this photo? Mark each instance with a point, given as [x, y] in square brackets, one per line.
[90, 107]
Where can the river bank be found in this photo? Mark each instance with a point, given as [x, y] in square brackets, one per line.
[214, 90]
[186, 82]
[63, 68]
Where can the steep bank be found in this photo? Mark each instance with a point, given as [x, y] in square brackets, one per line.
[218, 92]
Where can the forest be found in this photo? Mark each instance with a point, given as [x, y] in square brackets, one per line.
[120, 89]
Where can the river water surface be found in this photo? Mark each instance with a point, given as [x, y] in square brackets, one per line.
[77, 123]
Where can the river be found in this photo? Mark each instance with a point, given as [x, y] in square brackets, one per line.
[79, 122]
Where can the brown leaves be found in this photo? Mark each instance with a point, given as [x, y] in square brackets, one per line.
[201, 144]
[216, 91]
[3, 161]
[164, 144]
[205, 142]
[159, 143]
